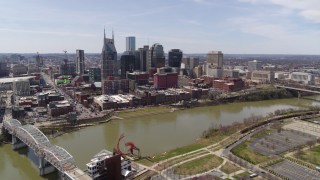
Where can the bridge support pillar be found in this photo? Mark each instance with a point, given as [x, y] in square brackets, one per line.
[17, 143]
[45, 167]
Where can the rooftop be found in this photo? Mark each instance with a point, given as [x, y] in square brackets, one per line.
[10, 80]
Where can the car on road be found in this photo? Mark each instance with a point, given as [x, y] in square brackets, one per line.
[253, 175]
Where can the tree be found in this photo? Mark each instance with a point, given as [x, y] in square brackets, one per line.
[299, 151]
[311, 143]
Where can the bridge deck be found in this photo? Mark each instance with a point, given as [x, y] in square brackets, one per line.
[55, 155]
[297, 89]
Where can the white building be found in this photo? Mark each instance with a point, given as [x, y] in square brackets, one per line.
[262, 76]
[21, 87]
[254, 65]
[281, 75]
[214, 71]
[305, 78]
[96, 167]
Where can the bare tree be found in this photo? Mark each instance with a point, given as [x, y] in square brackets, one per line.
[311, 144]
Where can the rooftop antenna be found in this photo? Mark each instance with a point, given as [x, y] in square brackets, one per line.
[104, 32]
[148, 42]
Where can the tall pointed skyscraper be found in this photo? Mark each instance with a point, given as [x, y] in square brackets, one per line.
[109, 58]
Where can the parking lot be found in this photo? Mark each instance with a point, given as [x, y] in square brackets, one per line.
[307, 127]
[294, 171]
[277, 143]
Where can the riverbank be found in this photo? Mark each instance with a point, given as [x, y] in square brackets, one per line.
[257, 95]
[224, 135]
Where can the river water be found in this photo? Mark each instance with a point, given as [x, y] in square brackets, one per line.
[152, 134]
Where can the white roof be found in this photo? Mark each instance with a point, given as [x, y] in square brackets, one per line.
[97, 84]
[125, 172]
[10, 80]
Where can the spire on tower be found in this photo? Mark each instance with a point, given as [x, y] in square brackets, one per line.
[104, 32]
[112, 35]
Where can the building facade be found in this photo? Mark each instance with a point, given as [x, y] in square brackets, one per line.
[215, 58]
[127, 64]
[115, 86]
[143, 58]
[67, 68]
[175, 57]
[109, 58]
[130, 43]
[21, 87]
[254, 65]
[95, 74]
[156, 58]
[4, 72]
[80, 62]
[262, 76]
[302, 77]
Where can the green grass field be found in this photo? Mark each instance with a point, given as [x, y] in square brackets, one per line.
[243, 151]
[311, 155]
[199, 165]
[177, 151]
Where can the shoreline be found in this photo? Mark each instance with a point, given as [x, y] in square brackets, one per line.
[134, 113]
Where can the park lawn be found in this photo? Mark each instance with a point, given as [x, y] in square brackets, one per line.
[243, 151]
[143, 111]
[200, 165]
[177, 151]
[311, 155]
[244, 174]
[229, 168]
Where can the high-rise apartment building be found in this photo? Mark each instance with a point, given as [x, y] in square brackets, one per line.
[109, 58]
[130, 43]
[175, 57]
[215, 59]
[156, 58]
[80, 62]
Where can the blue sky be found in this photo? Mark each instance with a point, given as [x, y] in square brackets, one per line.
[195, 26]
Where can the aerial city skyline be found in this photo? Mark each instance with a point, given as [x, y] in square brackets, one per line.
[160, 90]
[195, 26]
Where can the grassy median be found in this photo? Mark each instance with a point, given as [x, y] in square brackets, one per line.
[200, 165]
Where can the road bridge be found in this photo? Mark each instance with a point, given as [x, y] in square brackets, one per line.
[51, 157]
[297, 89]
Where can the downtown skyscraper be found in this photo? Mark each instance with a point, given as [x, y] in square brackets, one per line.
[80, 62]
[109, 58]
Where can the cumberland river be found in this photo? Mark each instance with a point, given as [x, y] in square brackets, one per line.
[152, 134]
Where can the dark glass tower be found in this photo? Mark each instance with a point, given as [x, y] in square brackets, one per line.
[175, 57]
[109, 58]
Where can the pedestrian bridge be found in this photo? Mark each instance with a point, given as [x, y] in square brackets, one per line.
[49, 155]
